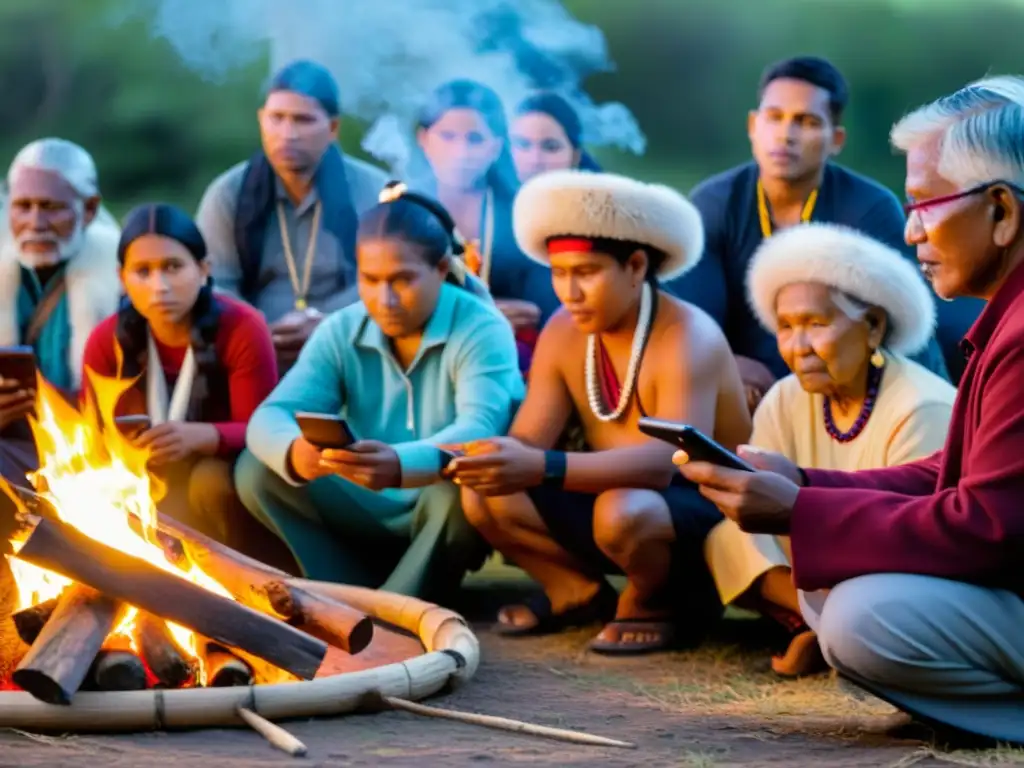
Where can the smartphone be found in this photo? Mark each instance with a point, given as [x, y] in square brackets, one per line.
[324, 430]
[447, 457]
[698, 446]
[133, 425]
[18, 364]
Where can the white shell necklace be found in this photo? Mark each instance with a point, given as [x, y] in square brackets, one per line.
[643, 328]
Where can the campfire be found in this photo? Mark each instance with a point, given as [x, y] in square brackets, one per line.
[111, 596]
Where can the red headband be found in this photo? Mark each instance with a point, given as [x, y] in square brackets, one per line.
[569, 245]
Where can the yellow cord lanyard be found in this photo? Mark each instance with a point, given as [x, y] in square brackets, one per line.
[766, 217]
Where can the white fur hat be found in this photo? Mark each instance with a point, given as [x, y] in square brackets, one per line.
[851, 262]
[584, 204]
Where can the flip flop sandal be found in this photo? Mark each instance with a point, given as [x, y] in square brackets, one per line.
[803, 657]
[634, 637]
[598, 608]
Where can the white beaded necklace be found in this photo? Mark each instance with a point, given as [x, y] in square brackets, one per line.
[643, 327]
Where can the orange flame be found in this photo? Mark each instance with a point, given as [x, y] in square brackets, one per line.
[95, 479]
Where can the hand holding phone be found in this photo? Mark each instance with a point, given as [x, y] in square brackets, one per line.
[17, 384]
[448, 455]
[324, 430]
[698, 446]
[18, 366]
[133, 425]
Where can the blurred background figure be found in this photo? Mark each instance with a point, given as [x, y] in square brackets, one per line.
[464, 160]
[547, 136]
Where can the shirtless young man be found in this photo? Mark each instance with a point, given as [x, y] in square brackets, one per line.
[570, 518]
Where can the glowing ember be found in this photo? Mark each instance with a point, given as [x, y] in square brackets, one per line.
[95, 479]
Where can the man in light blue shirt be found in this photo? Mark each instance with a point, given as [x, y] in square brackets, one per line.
[419, 362]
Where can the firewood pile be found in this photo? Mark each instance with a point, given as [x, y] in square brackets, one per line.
[125, 623]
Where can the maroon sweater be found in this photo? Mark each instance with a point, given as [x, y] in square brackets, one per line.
[246, 354]
[958, 514]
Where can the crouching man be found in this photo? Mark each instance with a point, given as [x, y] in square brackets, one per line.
[418, 361]
[619, 349]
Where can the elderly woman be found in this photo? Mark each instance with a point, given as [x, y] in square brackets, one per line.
[846, 311]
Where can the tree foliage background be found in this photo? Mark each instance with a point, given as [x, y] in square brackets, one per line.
[686, 68]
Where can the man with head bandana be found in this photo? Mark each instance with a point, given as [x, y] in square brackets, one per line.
[619, 349]
[281, 226]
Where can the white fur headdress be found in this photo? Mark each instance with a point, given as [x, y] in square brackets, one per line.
[584, 204]
[851, 262]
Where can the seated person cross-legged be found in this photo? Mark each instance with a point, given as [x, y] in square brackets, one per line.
[619, 349]
[846, 310]
[206, 361]
[418, 362]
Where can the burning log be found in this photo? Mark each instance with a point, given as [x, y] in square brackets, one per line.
[267, 589]
[161, 653]
[331, 621]
[30, 621]
[224, 669]
[60, 658]
[67, 551]
[117, 671]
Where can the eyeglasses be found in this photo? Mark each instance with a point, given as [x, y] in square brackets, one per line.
[931, 202]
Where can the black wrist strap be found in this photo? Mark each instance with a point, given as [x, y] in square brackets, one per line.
[804, 479]
[555, 465]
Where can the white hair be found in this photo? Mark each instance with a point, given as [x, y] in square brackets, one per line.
[63, 157]
[980, 129]
[858, 310]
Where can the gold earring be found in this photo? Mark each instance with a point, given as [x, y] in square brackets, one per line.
[877, 359]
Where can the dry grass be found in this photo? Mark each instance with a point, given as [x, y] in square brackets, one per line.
[730, 680]
[979, 758]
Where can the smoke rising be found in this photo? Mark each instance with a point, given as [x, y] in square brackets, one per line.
[388, 55]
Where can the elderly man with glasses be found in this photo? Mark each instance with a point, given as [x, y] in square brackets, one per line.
[919, 567]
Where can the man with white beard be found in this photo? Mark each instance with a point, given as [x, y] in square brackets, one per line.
[58, 278]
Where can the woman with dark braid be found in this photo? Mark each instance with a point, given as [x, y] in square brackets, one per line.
[204, 361]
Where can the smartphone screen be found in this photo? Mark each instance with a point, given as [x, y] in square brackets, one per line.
[698, 446]
[324, 430]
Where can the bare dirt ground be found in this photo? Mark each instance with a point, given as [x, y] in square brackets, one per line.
[714, 707]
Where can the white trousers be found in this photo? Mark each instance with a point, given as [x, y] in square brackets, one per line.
[942, 650]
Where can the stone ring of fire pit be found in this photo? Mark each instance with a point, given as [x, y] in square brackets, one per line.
[451, 657]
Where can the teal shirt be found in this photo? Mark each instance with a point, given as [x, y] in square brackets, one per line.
[462, 385]
[52, 346]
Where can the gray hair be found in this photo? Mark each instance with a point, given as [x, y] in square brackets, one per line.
[59, 156]
[857, 310]
[980, 130]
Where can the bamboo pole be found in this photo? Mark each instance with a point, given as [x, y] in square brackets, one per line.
[136, 711]
[505, 724]
[273, 733]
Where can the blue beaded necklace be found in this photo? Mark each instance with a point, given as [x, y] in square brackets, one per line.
[874, 381]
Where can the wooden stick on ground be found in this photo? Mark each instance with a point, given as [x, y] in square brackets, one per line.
[60, 658]
[273, 733]
[504, 724]
[69, 552]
